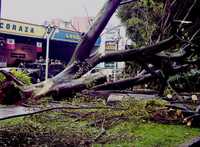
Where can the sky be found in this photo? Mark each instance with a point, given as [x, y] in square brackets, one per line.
[37, 11]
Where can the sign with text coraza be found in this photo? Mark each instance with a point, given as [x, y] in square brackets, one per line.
[20, 28]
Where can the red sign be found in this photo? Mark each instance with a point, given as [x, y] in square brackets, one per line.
[10, 44]
[39, 47]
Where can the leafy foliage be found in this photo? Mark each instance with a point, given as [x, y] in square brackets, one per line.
[10, 92]
[2, 77]
[22, 75]
[189, 81]
[141, 19]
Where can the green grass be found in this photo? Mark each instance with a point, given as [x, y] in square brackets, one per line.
[126, 133]
[145, 134]
[11, 122]
[152, 135]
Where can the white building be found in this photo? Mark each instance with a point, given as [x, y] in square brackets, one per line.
[80, 24]
[112, 39]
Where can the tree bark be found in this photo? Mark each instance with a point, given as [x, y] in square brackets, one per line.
[77, 66]
[124, 84]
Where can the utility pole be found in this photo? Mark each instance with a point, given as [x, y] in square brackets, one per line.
[0, 8]
[117, 39]
[50, 31]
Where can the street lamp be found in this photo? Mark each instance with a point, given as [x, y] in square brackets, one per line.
[49, 33]
[0, 7]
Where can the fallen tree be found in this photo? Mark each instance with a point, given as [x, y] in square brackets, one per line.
[173, 32]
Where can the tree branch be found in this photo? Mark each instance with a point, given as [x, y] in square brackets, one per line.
[60, 108]
[127, 2]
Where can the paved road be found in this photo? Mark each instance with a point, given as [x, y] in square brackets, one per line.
[120, 97]
[8, 111]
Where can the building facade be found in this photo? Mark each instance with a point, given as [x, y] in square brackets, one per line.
[112, 39]
[25, 42]
[78, 24]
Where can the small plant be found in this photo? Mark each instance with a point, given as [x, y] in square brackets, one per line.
[2, 77]
[10, 92]
[22, 75]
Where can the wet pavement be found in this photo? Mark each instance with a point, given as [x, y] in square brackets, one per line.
[9, 111]
[120, 97]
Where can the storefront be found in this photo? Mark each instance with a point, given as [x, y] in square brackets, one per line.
[63, 43]
[22, 41]
[25, 42]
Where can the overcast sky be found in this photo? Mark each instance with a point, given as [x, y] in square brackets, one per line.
[37, 11]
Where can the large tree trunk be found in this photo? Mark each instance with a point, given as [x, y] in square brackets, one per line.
[77, 69]
[84, 48]
[82, 51]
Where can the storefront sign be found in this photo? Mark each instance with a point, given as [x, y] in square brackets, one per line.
[110, 45]
[70, 36]
[19, 28]
[39, 47]
[10, 44]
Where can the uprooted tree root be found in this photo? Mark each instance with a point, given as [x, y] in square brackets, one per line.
[167, 116]
[179, 112]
